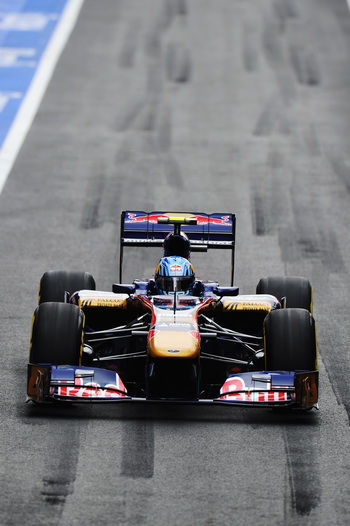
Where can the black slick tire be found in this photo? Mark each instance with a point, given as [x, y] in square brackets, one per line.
[57, 334]
[290, 340]
[296, 290]
[55, 283]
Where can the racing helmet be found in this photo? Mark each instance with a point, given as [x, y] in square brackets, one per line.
[174, 274]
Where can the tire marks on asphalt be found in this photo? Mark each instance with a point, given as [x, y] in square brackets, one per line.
[143, 124]
[250, 48]
[268, 193]
[271, 40]
[341, 10]
[91, 212]
[293, 65]
[279, 198]
[129, 46]
[342, 170]
[178, 63]
[283, 205]
[138, 449]
[284, 210]
[305, 65]
[285, 10]
[303, 473]
[58, 473]
[273, 119]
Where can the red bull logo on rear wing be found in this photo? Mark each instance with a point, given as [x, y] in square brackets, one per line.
[204, 231]
[144, 218]
[197, 226]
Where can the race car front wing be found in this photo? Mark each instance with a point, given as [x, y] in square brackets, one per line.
[47, 383]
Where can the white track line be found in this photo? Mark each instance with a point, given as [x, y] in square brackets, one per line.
[36, 91]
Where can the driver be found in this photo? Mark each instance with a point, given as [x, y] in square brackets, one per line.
[174, 274]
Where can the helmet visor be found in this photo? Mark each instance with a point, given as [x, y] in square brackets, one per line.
[169, 284]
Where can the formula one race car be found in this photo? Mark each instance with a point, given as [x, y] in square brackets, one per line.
[174, 337]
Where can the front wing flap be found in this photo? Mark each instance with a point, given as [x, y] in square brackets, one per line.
[47, 383]
[269, 388]
[75, 384]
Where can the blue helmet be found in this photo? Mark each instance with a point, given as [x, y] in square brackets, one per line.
[174, 274]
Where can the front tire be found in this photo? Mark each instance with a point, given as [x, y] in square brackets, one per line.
[290, 340]
[57, 334]
[296, 290]
[55, 283]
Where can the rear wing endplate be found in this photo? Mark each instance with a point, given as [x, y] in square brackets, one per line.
[205, 231]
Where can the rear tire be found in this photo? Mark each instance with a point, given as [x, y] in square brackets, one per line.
[55, 283]
[296, 290]
[290, 340]
[57, 334]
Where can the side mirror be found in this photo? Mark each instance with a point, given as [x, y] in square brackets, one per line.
[226, 291]
[123, 289]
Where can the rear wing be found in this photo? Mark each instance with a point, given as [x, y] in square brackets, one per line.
[205, 231]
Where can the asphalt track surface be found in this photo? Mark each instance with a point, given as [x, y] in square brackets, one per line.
[196, 105]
